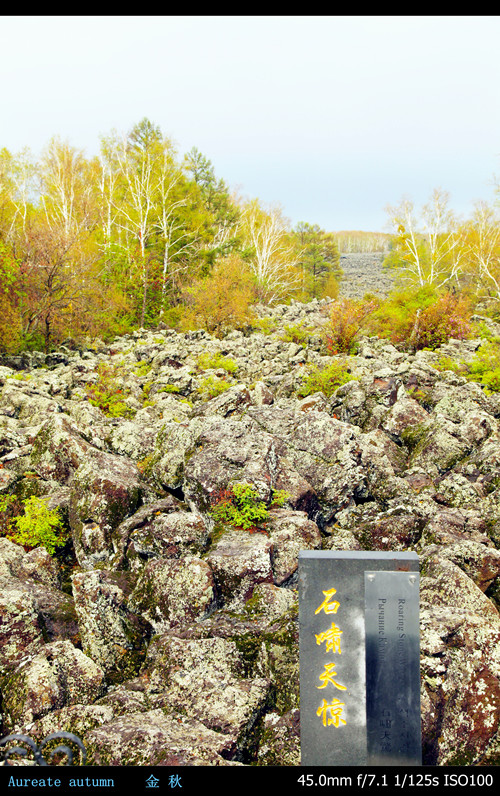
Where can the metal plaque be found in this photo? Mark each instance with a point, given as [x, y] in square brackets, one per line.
[392, 668]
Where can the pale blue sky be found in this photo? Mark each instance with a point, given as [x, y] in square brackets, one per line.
[331, 117]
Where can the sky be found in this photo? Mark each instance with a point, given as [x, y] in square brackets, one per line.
[331, 117]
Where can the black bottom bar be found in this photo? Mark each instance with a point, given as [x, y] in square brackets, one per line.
[196, 779]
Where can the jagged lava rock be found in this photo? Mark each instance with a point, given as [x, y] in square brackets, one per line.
[178, 641]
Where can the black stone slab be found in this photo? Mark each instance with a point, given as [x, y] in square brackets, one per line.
[332, 648]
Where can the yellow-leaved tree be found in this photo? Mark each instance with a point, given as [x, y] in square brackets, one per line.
[480, 245]
[220, 300]
[426, 248]
[273, 257]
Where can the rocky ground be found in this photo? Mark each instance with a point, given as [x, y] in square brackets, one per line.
[362, 273]
[161, 637]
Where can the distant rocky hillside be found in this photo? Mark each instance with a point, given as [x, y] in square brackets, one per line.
[161, 636]
[363, 274]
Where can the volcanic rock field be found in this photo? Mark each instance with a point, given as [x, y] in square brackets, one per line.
[161, 636]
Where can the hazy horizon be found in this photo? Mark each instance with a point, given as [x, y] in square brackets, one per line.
[331, 117]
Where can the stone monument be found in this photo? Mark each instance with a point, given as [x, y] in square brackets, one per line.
[359, 658]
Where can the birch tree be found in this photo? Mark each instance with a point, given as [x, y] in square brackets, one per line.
[480, 246]
[439, 229]
[68, 189]
[427, 250]
[409, 254]
[133, 200]
[274, 260]
[107, 188]
[18, 191]
[178, 237]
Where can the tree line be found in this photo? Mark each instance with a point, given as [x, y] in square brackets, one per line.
[359, 241]
[433, 247]
[137, 236]
[447, 279]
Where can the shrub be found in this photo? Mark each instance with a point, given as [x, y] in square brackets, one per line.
[173, 316]
[422, 318]
[418, 394]
[240, 505]
[144, 465]
[266, 325]
[326, 379]
[221, 300]
[38, 526]
[330, 288]
[485, 367]
[108, 392]
[345, 323]
[447, 363]
[297, 333]
[491, 380]
[209, 361]
[142, 369]
[212, 386]
[446, 317]
[395, 317]
[481, 329]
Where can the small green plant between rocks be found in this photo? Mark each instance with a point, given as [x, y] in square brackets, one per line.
[208, 361]
[108, 392]
[212, 386]
[296, 333]
[241, 506]
[326, 379]
[484, 368]
[265, 325]
[38, 526]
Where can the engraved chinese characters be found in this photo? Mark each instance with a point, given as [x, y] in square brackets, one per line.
[359, 658]
[330, 711]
